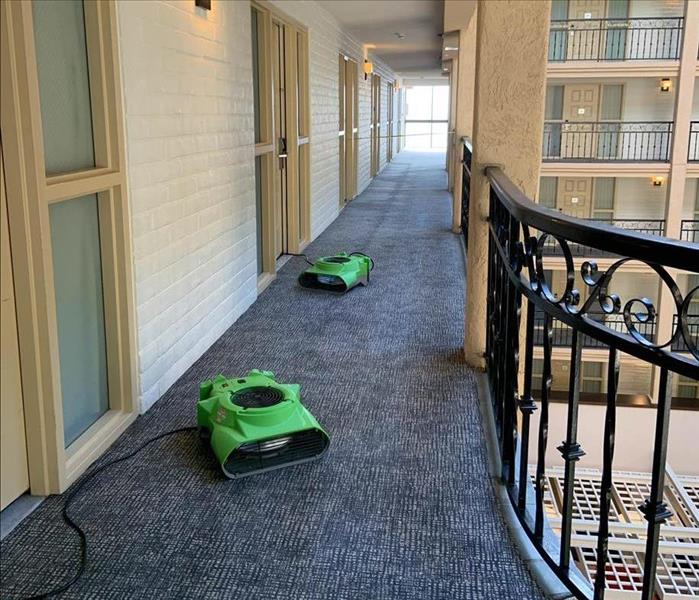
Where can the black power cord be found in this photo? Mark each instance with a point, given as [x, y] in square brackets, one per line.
[305, 257]
[76, 527]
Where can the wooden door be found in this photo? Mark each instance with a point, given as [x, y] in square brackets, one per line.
[580, 106]
[14, 472]
[584, 39]
[280, 137]
[575, 196]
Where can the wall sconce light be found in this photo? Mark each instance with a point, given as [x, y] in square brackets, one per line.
[205, 4]
[665, 85]
[658, 181]
[368, 68]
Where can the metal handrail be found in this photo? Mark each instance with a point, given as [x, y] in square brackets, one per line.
[516, 270]
[611, 140]
[616, 39]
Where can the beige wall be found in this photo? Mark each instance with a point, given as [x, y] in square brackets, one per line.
[635, 428]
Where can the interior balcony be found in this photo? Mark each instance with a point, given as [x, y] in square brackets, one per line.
[644, 37]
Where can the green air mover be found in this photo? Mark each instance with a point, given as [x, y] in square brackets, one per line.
[255, 424]
[338, 273]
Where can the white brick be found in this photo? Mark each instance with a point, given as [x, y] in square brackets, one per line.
[187, 77]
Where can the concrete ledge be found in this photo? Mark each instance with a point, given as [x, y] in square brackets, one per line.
[548, 581]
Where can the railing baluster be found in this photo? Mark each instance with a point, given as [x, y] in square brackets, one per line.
[570, 449]
[527, 406]
[543, 431]
[606, 484]
[654, 509]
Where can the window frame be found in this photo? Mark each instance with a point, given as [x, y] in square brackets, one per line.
[30, 192]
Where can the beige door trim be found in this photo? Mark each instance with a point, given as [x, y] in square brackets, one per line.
[52, 467]
[14, 472]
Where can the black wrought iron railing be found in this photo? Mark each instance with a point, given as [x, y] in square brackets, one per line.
[692, 324]
[616, 39]
[517, 272]
[693, 151]
[689, 230]
[465, 187]
[562, 334]
[644, 226]
[607, 141]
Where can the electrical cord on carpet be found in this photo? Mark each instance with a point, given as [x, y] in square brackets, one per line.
[76, 527]
[304, 256]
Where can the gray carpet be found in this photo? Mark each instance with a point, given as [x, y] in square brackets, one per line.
[401, 505]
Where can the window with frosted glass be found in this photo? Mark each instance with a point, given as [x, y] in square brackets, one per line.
[603, 208]
[548, 189]
[77, 274]
[64, 85]
[592, 374]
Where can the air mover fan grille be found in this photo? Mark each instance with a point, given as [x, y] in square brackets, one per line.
[337, 259]
[277, 452]
[257, 397]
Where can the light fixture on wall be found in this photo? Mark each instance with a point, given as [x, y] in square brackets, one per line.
[658, 180]
[368, 68]
[665, 85]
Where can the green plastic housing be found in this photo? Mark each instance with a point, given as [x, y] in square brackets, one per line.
[250, 440]
[338, 273]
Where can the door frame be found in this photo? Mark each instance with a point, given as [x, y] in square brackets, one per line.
[298, 139]
[52, 467]
[389, 121]
[348, 99]
[375, 124]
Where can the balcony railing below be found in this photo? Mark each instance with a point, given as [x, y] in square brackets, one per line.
[689, 230]
[645, 226]
[465, 186]
[692, 323]
[693, 152]
[616, 39]
[562, 335]
[607, 141]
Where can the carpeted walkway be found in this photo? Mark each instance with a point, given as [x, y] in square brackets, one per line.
[400, 507]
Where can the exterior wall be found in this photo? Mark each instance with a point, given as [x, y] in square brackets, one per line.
[643, 100]
[188, 96]
[635, 428]
[637, 198]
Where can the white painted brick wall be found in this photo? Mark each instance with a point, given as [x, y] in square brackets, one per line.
[187, 77]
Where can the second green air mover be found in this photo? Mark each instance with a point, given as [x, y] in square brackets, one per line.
[338, 273]
[255, 424]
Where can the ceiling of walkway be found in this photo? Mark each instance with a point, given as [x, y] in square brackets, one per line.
[405, 34]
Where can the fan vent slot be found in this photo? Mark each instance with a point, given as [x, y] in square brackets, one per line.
[276, 452]
[257, 397]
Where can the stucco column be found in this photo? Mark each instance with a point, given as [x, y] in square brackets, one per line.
[466, 78]
[678, 167]
[510, 87]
